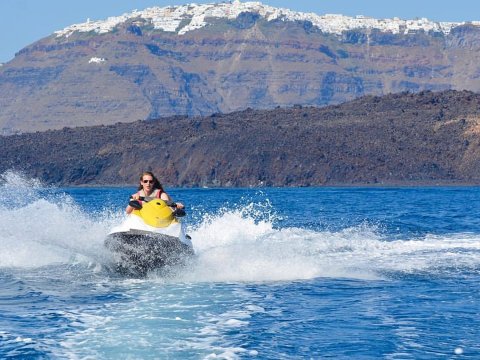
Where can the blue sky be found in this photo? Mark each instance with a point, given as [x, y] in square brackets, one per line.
[25, 21]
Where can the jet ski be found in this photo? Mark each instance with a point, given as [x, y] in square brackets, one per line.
[151, 237]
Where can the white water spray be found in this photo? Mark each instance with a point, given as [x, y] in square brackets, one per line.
[236, 244]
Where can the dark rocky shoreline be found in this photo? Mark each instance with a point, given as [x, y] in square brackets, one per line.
[396, 140]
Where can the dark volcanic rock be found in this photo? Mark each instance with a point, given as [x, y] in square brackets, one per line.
[405, 138]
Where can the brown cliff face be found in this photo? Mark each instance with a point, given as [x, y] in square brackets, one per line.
[225, 67]
[402, 139]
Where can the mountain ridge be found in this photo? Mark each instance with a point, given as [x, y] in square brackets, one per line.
[137, 72]
[399, 139]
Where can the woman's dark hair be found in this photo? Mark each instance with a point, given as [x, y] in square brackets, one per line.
[156, 183]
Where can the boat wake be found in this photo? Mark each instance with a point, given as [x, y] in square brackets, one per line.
[235, 247]
[44, 228]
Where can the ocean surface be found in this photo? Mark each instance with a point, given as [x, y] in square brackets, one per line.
[295, 273]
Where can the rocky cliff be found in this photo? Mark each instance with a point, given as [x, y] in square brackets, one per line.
[424, 138]
[205, 59]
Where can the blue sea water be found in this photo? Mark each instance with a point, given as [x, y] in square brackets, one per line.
[296, 273]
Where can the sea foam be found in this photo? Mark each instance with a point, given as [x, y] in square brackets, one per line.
[42, 226]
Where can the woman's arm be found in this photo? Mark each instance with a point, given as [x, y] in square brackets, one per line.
[129, 208]
[166, 197]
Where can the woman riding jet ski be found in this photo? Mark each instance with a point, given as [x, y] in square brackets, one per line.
[152, 236]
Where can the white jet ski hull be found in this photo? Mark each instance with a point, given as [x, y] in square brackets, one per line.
[139, 248]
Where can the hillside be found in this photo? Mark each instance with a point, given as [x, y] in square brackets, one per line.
[424, 138]
[198, 60]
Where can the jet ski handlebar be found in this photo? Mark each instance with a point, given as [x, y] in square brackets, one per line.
[149, 198]
[137, 205]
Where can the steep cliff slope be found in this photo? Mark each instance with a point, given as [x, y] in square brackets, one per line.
[204, 59]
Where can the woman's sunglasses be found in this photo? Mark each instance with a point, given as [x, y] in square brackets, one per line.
[147, 181]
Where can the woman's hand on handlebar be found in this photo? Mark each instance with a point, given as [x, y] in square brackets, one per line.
[180, 205]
